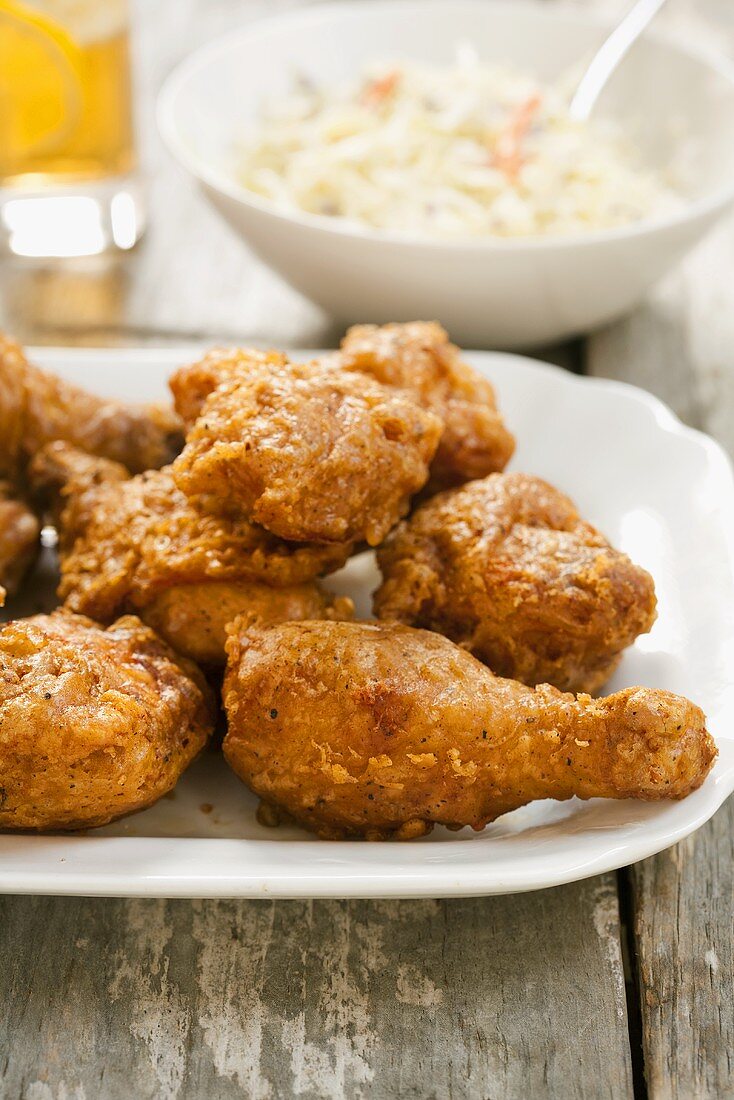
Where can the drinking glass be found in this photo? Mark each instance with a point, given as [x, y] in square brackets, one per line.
[67, 150]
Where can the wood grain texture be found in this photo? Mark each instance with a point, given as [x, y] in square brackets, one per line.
[500, 997]
[684, 937]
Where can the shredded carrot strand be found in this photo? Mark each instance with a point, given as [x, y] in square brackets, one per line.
[377, 91]
[508, 153]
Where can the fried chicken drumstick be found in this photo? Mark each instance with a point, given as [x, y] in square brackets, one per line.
[36, 407]
[309, 451]
[418, 358]
[139, 544]
[355, 729]
[507, 568]
[94, 723]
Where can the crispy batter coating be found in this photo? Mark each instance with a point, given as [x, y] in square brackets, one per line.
[19, 538]
[192, 384]
[378, 730]
[68, 485]
[36, 407]
[94, 723]
[506, 567]
[193, 618]
[419, 358]
[139, 544]
[310, 452]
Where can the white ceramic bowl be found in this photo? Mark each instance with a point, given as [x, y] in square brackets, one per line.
[677, 104]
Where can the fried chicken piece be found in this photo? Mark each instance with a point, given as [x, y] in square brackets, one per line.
[36, 407]
[380, 730]
[139, 544]
[193, 618]
[192, 384]
[506, 567]
[418, 358]
[67, 484]
[19, 538]
[310, 452]
[94, 723]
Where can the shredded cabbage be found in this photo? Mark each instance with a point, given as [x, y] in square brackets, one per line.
[467, 151]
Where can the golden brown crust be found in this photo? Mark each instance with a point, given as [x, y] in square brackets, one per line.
[193, 618]
[19, 538]
[140, 544]
[66, 484]
[310, 452]
[506, 567]
[380, 730]
[192, 384]
[418, 358]
[94, 723]
[36, 407]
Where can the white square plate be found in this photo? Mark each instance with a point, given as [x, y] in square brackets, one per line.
[660, 491]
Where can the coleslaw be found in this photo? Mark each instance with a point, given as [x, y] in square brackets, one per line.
[466, 151]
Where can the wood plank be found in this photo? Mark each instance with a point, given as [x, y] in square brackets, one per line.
[501, 997]
[680, 346]
[684, 936]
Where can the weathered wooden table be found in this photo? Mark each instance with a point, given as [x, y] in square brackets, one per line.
[618, 986]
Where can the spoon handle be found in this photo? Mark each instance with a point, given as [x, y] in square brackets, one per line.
[608, 56]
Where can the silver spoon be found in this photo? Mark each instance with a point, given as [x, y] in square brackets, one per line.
[608, 56]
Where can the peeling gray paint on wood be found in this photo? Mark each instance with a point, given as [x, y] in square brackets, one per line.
[497, 997]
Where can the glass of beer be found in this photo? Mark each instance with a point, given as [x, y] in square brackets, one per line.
[67, 151]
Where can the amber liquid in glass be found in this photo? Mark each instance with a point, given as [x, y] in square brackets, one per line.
[67, 153]
[65, 91]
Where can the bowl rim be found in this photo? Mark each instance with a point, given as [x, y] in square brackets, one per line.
[218, 181]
